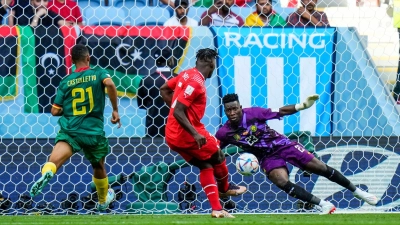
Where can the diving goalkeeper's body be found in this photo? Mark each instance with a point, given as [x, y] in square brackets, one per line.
[247, 129]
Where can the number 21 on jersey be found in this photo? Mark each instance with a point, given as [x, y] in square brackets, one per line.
[81, 95]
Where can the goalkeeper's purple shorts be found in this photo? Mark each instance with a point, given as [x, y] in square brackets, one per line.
[296, 155]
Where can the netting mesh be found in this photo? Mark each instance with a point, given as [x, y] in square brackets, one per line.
[352, 65]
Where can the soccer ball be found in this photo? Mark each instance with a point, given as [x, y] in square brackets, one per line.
[247, 164]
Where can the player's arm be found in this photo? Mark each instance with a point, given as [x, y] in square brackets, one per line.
[180, 116]
[167, 94]
[112, 94]
[292, 109]
[57, 107]
[167, 89]
[56, 110]
[221, 136]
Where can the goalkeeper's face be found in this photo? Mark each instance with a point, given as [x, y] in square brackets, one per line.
[233, 110]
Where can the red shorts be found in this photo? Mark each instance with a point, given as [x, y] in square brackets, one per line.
[188, 153]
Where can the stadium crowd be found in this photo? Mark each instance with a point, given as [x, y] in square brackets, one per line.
[216, 13]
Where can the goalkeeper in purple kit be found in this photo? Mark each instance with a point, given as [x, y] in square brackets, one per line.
[247, 129]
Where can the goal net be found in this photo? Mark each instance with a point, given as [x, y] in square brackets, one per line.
[354, 126]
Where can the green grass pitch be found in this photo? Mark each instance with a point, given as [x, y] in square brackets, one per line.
[256, 219]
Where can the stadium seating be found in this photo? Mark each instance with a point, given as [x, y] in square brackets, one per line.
[90, 3]
[330, 3]
[5, 18]
[284, 12]
[141, 13]
[147, 15]
[159, 3]
[129, 4]
[196, 12]
[242, 11]
[102, 15]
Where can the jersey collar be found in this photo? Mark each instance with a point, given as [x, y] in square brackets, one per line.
[202, 76]
[82, 69]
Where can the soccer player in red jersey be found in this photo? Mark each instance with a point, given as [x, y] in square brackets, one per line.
[185, 134]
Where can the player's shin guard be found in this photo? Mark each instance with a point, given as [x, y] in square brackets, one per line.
[102, 188]
[335, 176]
[49, 166]
[207, 181]
[300, 193]
[221, 174]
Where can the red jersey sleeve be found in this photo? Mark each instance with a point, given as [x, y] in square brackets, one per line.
[189, 93]
[173, 81]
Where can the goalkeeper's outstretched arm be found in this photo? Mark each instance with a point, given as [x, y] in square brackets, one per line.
[292, 109]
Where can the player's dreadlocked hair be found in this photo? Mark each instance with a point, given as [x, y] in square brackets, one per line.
[206, 54]
[230, 98]
[79, 53]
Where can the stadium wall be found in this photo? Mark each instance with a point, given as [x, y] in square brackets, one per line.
[353, 101]
[363, 105]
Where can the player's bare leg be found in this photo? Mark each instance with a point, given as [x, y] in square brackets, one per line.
[106, 195]
[207, 181]
[62, 152]
[225, 188]
[320, 168]
[280, 178]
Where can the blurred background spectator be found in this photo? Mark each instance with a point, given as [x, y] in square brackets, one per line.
[220, 14]
[307, 16]
[34, 14]
[68, 10]
[180, 17]
[264, 16]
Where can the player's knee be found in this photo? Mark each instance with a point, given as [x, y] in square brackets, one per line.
[221, 156]
[318, 167]
[328, 172]
[204, 165]
[281, 183]
[98, 165]
[217, 158]
[277, 178]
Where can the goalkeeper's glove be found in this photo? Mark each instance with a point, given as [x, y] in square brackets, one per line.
[307, 103]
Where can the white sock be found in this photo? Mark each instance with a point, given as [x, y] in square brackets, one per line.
[358, 191]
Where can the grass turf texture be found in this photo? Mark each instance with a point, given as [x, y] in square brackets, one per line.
[270, 219]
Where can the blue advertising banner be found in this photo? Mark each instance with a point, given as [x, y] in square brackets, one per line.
[273, 67]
